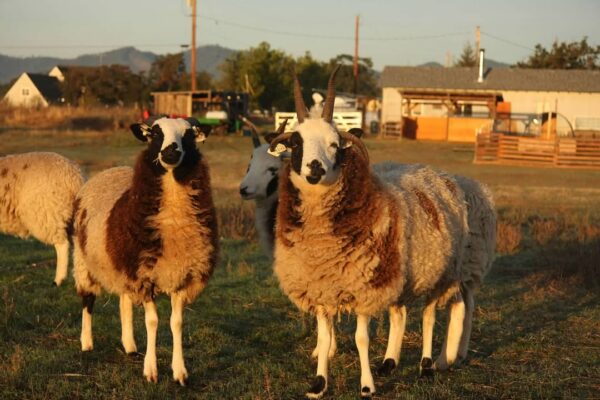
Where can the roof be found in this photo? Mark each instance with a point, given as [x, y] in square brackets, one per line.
[521, 79]
[49, 86]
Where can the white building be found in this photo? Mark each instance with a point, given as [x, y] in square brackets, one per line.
[34, 90]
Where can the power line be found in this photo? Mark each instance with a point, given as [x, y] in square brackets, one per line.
[507, 41]
[84, 46]
[330, 37]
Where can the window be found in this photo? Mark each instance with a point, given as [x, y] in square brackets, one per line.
[25, 92]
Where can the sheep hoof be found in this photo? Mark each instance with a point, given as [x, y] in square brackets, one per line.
[366, 392]
[386, 368]
[151, 377]
[426, 368]
[318, 388]
[181, 378]
[56, 284]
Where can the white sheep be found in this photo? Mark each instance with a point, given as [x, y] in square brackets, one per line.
[38, 193]
[147, 230]
[348, 241]
[476, 263]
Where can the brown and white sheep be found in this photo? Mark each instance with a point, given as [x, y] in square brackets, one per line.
[38, 192]
[147, 230]
[349, 241]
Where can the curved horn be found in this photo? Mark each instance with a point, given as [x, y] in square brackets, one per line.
[299, 101]
[330, 99]
[253, 129]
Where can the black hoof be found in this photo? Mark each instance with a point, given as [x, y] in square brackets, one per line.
[426, 368]
[54, 284]
[386, 368]
[317, 388]
[365, 392]
[134, 354]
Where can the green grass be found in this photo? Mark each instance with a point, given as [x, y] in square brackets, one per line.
[536, 334]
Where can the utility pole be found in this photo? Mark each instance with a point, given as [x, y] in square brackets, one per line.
[355, 70]
[477, 42]
[193, 71]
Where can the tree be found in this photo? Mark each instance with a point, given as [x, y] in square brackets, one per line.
[367, 80]
[563, 55]
[468, 58]
[168, 73]
[265, 70]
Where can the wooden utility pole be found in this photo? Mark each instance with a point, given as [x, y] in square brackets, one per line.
[355, 70]
[477, 42]
[193, 71]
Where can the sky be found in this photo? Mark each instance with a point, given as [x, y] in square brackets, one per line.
[391, 32]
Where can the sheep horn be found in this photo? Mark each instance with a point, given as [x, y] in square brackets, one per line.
[254, 130]
[299, 101]
[330, 98]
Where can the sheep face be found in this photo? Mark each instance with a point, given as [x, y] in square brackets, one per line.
[170, 139]
[260, 181]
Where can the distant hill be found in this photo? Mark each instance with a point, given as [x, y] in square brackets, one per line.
[489, 63]
[209, 57]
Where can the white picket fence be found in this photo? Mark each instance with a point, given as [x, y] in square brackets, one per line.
[344, 121]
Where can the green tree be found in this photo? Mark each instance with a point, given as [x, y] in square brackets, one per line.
[468, 58]
[563, 55]
[167, 73]
[367, 79]
[267, 72]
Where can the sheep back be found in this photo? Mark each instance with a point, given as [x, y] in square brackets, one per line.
[38, 191]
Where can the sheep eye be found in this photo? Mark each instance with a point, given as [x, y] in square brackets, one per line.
[272, 170]
[334, 145]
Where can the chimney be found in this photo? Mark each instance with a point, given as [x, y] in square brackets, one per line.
[481, 59]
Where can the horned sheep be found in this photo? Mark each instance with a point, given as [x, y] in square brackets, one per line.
[147, 230]
[261, 178]
[349, 241]
[38, 193]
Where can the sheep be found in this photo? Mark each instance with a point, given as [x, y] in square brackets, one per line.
[145, 230]
[348, 241]
[477, 261]
[38, 194]
[259, 184]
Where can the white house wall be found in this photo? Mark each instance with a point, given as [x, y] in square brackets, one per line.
[391, 109]
[16, 97]
[571, 105]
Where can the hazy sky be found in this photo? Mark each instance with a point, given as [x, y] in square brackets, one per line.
[392, 32]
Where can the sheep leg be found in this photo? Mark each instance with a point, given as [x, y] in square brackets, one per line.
[126, 311]
[324, 325]
[397, 325]
[62, 262]
[180, 374]
[467, 326]
[426, 366]
[362, 344]
[449, 352]
[87, 300]
[151, 317]
[332, 348]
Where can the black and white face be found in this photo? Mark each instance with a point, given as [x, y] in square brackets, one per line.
[316, 151]
[260, 181]
[170, 139]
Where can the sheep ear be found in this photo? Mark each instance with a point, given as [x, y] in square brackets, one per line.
[201, 132]
[141, 131]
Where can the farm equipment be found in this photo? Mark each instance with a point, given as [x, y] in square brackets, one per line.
[220, 109]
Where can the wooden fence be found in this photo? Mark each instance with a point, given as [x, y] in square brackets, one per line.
[344, 120]
[497, 148]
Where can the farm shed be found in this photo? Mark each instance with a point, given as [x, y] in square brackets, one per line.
[434, 103]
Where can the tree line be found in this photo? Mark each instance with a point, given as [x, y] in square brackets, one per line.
[267, 74]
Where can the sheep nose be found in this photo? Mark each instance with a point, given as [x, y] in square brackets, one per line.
[170, 154]
[244, 191]
[316, 168]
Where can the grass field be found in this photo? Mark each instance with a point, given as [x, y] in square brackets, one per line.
[536, 330]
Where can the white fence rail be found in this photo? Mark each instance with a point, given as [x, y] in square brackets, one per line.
[344, 121]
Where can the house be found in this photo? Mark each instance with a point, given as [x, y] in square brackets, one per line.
[453, 104]
[34, 90]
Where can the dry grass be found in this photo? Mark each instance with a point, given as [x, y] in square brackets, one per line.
[236, 221]
[65, 117]
[508, 237]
